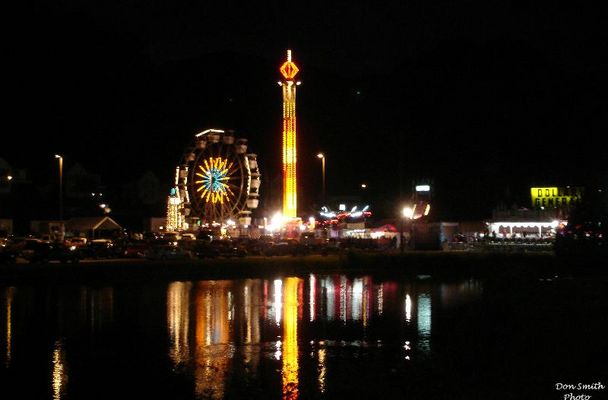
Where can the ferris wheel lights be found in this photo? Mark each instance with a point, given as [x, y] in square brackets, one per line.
[209, 131]
[214, 182]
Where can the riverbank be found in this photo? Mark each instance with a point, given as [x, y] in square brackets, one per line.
[437, 264]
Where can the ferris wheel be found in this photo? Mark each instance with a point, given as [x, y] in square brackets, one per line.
[216, 181]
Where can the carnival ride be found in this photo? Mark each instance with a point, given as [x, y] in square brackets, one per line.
[217, 183]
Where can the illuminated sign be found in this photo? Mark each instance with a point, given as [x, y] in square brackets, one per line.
[555, 197]
[289, 69]
[423, 188]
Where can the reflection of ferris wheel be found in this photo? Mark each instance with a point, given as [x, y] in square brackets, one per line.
[217, 180]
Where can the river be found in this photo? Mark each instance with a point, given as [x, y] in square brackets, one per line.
[309, 336]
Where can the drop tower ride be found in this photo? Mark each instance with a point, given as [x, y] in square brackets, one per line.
[290, 184]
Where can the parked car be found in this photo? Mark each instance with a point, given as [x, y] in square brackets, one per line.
[7, 255]
[288, 247]
[76, 241]
[279, 249]
[26, 247]
[101, 248]
[135, 250]
[228, 249]
[204, 249]
[167, 252]
[43, 251]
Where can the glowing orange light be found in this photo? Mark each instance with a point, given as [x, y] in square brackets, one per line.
[289, 69]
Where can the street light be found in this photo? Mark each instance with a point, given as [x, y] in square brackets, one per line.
[60, 158]
[406, 213]
[322, 157]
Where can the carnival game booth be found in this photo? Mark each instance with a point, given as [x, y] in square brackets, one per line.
[524, 223]
[523, 229]
[344, 223]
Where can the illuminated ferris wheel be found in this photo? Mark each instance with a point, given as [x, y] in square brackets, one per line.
[216, 182]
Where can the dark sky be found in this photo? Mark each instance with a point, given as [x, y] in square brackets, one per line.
[486, 98]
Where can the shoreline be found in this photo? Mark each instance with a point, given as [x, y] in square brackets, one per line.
[434, 263]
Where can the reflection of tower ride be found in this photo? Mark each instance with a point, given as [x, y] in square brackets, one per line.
[289, 372]
[290, 189]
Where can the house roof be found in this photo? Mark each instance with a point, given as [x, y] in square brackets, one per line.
[83, 224]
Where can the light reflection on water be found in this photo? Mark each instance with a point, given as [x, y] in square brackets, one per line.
[424, 322]
[289, 372]
[214, 351]
[8, 296]
[286, 334]
[279, 319]
[59, 377]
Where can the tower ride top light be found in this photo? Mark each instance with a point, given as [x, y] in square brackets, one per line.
[289, 70]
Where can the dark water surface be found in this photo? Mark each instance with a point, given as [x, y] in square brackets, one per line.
[311, 336]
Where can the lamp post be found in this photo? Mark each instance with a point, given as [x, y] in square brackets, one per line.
[406, 214]
[322, 157]
[60, 158]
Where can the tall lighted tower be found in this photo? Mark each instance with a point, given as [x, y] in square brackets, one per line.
[290, 188]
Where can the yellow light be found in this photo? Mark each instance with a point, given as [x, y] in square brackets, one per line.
[320, 155]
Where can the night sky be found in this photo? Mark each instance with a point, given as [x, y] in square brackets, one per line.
[486, 98]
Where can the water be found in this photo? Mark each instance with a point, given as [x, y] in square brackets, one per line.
[311, 336]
